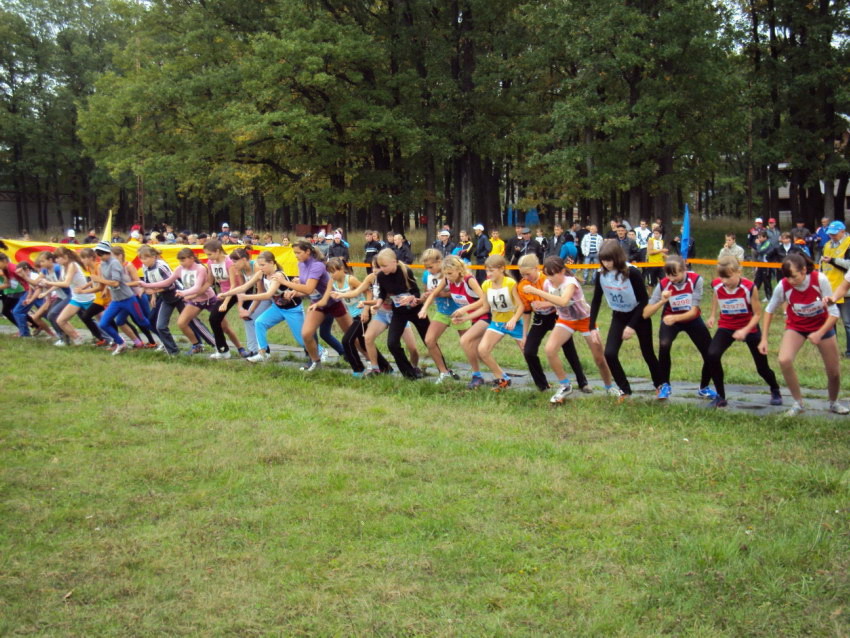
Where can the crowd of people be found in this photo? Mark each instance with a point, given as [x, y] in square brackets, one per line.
[543, 298]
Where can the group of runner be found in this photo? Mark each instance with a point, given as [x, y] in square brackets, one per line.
[549, 303]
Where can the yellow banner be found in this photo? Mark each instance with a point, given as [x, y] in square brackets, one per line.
[19, 251]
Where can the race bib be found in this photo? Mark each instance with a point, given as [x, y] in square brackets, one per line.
[733, 306]
[219, 272]
[398, 300]
[681, 303]
[460, 299]
[808, 309]
[188, 279]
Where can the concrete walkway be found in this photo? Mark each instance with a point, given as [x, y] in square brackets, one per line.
[752, 399]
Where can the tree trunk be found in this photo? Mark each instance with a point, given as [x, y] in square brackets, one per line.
[829, 198]
[841, 197]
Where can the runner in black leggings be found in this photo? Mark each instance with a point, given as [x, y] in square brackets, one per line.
[623, 289]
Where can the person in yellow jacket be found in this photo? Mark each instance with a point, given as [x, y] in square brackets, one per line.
[835, 263]
[497, 242]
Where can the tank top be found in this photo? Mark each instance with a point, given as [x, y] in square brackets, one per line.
[461, 293]
[618, 291]
[188, 278]
[78, 280]
[350, 304]
[681, 295]
[500, 300]
[577, 308]
[277, 297]
[806, 311]
[221, 273]
[444, 305]
[736, 307]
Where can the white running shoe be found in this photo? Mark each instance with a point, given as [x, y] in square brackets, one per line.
[311, 367]
[220, 355]
[836, 408]
[119, 349]
[444, 376]
[324, 355]
[564, 390]
[614, 391]
[59, 343]
[796, 409]
[260, 357]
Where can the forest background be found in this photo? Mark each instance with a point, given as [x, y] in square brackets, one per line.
[365, 114]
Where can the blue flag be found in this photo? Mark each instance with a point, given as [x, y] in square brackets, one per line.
[685, 243]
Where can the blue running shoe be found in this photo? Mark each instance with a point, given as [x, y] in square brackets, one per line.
[664, 392]
[706, 393]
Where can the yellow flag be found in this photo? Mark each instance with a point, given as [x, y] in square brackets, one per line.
[107, 230]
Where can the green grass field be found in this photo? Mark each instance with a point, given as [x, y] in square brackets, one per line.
[147, 496]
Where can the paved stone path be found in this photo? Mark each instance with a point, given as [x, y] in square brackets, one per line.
[750, 399]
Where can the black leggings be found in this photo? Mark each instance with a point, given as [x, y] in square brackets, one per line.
[540, 325]
[87, 316]
[9, 302]
[698, 333]
[396, 329]
[763, 278]
[216, 319]
[721, 342]
[643, 330]
[354, 335]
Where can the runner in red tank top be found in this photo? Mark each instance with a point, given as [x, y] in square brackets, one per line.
[679, 294]
[740, 309]
[808, 319]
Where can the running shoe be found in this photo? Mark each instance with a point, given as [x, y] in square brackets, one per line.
[418, 373]
[475, 382]
[324, 355]
[100, 343]
[138, 345]
[706, 393]
[614, 391]
[195, 349]
[454, 374]
[220, 355]
[59, 343]
[836, 408]
[372, 372]
[357, 375]
[119, 348]
[623, 397]
[501, 384]
[244, 353]
[664, 392]
[775, 397]
[152, 346]
[311, 367]
[260, 357]
[796, 409]
[564, 390]
[586, 389]
[718, 402]
[160, 348]
[444, 376]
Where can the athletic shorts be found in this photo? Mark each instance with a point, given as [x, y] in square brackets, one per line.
[805, 333]
[384, 316]
[207, 304]
[82, 305]
[581, 326]
[501, 328]
[439, 317]
[335, 309]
